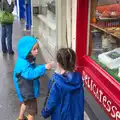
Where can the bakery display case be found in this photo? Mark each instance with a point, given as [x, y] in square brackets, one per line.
[105, 35]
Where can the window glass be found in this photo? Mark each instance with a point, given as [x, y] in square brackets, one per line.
[49, 5]
[44, 23]
[104, 45]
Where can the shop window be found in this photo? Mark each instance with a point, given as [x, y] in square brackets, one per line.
[46, 25]
[104, 45]
[48, 8]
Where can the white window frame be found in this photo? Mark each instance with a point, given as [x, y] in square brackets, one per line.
[66, 11]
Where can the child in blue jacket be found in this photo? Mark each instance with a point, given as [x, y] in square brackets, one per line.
[65, 99]
[26, 76]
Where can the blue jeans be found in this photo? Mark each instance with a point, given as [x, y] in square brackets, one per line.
[7, 30]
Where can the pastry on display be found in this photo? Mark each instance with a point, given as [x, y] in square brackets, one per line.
[109, 11]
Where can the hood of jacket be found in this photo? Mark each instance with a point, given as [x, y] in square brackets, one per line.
[25, 45]
[69, 81]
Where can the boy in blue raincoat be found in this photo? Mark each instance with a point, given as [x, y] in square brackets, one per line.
[26, 76]
[65, 99]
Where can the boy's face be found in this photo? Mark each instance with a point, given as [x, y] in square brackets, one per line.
[34, 50]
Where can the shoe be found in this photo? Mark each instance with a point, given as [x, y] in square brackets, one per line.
[4, 52]
[11, 53]
[25, 118]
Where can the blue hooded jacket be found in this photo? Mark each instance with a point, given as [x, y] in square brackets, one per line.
[27, 70]
[66, 97]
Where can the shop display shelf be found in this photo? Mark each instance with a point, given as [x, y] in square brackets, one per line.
[103, 30]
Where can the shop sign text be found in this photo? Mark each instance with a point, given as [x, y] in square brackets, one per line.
[101, 97]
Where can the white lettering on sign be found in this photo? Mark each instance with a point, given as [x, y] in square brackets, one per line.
[117, 115]
[101, 97]
[108, 108]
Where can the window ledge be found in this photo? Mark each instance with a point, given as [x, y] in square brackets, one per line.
[48, 22]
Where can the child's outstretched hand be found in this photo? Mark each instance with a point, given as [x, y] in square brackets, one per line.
[48, 66]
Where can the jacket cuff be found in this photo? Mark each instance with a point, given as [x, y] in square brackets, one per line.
[45, 113]
[43, 66]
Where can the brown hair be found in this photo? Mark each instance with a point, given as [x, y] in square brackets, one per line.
[66, 58]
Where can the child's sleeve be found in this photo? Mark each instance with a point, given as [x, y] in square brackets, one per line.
[52, 101]
[33, 73]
